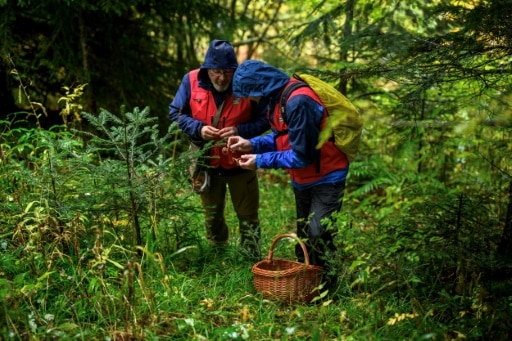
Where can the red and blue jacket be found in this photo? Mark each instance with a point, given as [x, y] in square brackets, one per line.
[290, 145]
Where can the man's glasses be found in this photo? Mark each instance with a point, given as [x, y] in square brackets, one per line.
[225, 72]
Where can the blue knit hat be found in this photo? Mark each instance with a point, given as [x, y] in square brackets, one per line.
[220, 55]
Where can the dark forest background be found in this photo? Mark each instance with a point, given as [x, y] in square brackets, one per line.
[94, 200]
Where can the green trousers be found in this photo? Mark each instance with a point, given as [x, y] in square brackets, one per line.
[244, 193]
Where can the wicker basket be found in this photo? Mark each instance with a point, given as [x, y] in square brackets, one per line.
[284, 279]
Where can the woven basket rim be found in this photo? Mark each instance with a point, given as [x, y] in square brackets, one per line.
[297, 266]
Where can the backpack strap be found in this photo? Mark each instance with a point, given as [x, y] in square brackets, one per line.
[287, 92]
[284, 98]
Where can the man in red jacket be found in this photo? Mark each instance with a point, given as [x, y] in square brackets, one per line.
[206, 110]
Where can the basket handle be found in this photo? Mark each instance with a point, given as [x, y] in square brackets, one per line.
[288, 235]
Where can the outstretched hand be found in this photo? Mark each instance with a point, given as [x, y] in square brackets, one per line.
[239, 144]
[247, 161]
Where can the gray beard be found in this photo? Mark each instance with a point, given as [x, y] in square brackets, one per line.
[219, 88]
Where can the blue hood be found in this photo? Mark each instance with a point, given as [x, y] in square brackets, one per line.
[255, 78]
[220, 55]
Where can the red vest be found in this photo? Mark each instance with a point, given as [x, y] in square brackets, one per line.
[203, 108]
[331, 158]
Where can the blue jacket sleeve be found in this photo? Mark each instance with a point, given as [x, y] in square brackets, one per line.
[304, 117]
[284, 159]
[263, 144]
[180, 112]
[257, 125]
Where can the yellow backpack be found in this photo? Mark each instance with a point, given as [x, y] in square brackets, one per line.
[344, 121]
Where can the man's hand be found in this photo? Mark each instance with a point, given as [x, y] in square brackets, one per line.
[239, 144]
[247, 161]
[209, 133]
[224, 133]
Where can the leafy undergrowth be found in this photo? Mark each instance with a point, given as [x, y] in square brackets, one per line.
[414, 262]
[107, 292]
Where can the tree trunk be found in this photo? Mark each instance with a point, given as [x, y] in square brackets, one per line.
[505, 245]
[347, 31]
[7, 104]
[84, 47]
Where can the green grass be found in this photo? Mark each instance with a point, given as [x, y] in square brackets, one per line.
[79, 279]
